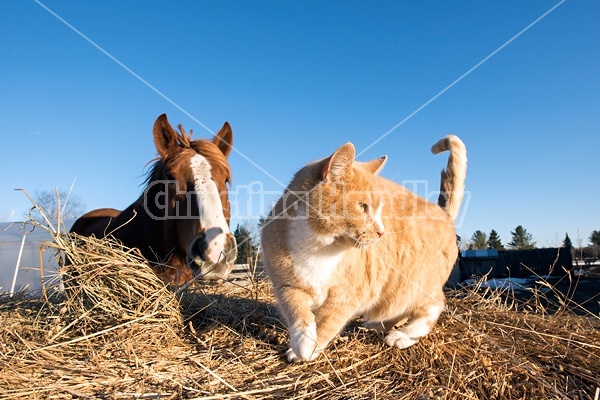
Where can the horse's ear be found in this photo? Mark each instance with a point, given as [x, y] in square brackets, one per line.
[339, 164]
[165, 137]
[224, 139]
[376, 165]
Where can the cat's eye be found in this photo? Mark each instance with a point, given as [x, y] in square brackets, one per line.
[364, 207]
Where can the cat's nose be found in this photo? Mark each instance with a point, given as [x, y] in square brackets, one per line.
[380, 233]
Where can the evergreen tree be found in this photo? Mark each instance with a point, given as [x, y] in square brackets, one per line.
[245, 244]
[494, 241]
[567, 242]
[521, 239]
[478, 241]
[595, 238]
[260, 223]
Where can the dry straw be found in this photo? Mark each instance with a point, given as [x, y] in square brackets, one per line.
[117, 332]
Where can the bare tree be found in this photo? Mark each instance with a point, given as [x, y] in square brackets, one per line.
[71, 205]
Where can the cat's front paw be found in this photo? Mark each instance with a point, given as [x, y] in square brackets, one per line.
[399, 339]
[304, 344]
[292, 357]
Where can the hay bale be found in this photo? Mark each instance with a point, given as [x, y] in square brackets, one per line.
[115, 311]
[108, 283]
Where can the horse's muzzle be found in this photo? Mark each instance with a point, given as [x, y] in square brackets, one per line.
[212, 259]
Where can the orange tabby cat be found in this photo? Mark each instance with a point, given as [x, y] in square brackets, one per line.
[344, 242]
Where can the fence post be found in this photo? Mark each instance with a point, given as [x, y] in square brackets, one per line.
[14, 281]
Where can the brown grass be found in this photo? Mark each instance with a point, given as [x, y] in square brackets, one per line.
[118, 333]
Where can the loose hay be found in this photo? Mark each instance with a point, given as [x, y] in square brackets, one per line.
[119, 333]
[106, 283]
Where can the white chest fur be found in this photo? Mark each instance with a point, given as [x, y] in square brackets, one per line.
[315, 258]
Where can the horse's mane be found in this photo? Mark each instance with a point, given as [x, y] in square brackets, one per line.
[157, 171]
[183, 138]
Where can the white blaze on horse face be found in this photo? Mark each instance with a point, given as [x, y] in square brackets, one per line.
[210, 208]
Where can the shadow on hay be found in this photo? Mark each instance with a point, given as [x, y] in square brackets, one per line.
[207, 314]
[247, 317]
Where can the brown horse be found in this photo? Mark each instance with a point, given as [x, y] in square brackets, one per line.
[180, 223]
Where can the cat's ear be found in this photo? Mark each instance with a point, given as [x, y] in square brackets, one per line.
[339, 164]
[375, 166]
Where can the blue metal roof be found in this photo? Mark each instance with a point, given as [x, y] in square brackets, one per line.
[487, 253]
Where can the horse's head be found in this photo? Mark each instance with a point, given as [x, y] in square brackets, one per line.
[197, 207]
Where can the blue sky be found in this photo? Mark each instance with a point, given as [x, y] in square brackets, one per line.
[298, 79]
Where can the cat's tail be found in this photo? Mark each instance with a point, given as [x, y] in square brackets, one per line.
[452, 186]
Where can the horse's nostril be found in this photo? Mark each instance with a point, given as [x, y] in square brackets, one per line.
[198, 249]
